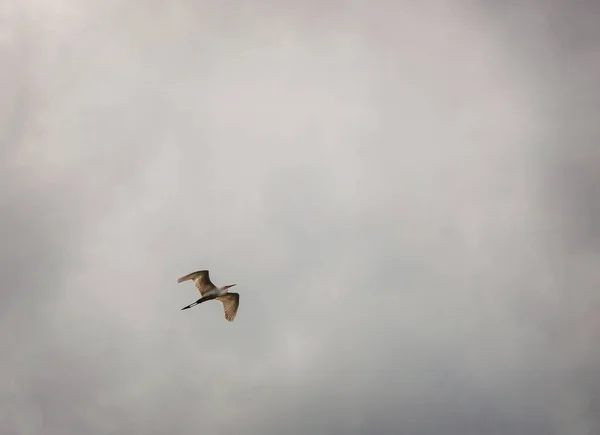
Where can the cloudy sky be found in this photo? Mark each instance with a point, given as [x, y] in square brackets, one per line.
[406, 194]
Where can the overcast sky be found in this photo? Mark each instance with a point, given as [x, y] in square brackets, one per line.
[407, 195]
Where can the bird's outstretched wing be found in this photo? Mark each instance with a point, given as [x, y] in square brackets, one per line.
[231, 302]
[201, 280]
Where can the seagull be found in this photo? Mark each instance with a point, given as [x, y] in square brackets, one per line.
[209, 291]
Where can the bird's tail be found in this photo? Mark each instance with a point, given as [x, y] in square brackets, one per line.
[199, 301]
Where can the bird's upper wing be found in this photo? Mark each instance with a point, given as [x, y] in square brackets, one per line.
[231, 302]
[201, 279]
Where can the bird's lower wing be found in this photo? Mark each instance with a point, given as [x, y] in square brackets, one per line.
[231, 302]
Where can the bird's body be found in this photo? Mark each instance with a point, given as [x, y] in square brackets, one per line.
[209, 291]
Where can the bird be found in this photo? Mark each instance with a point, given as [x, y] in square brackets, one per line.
[209, 291]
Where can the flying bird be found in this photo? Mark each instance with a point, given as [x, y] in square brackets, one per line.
[209, 291]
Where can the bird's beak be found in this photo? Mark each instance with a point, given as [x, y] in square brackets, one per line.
[232, 285]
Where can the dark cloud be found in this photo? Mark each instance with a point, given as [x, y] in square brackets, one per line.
[561, 51]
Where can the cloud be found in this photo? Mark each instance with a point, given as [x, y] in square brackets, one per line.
[413, 253]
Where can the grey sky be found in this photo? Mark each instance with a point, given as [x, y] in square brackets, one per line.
[406, 196]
